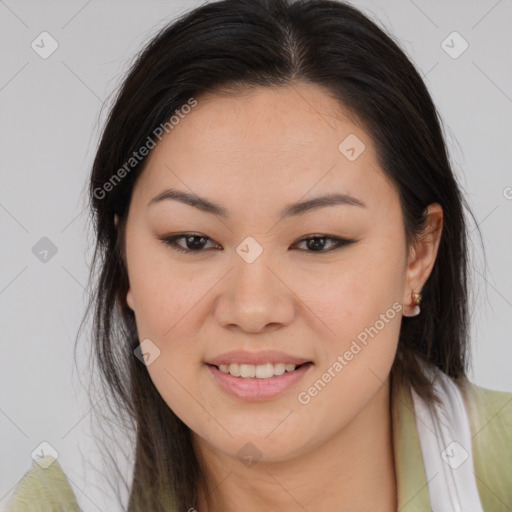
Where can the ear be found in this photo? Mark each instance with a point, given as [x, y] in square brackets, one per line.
[129, 296]
[129, 299]
[422, 255]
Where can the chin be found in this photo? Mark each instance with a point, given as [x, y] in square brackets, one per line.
[251, 447]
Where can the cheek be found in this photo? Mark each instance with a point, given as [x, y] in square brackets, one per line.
[163, 292]
[168, 306]
[351, 294]
[360, 302]
[364, 311]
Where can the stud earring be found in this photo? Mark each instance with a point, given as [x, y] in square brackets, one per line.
[416, 298]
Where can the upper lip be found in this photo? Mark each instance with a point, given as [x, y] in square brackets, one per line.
[262, 357]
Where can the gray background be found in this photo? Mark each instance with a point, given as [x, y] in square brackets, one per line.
[51, 119]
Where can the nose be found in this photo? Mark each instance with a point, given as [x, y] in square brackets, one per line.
[255, 297]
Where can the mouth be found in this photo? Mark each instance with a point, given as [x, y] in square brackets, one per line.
[260, 382]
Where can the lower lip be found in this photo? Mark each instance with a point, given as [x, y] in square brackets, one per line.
[253, 389]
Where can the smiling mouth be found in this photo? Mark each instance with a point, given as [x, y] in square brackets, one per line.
[259, 371]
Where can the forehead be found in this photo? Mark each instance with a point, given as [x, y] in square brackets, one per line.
[261, 141]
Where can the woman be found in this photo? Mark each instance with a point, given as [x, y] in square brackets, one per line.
[281, 306]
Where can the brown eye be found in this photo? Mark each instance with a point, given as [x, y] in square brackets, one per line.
[317, 243]
[194, 242]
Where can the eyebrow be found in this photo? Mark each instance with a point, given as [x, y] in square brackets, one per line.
[291, 210]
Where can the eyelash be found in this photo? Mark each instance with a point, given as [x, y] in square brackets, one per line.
[171, 242]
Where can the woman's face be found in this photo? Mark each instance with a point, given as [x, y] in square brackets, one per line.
[251, 289]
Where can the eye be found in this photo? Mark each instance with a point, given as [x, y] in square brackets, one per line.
[315, 246]
[194, 242]
[316, 243]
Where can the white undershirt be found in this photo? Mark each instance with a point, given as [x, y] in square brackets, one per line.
[445, 442]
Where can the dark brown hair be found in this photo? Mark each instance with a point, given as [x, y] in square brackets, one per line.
[240, 44]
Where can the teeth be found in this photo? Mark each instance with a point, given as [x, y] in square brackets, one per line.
[260, 371]
[247, 370]
[234, 369]
[279, 368]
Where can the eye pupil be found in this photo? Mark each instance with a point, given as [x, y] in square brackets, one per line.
[312, 244]
[190, 240]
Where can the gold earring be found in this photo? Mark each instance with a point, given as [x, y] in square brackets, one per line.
[416, 298]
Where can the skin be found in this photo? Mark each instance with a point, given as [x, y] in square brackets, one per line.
[254, 153]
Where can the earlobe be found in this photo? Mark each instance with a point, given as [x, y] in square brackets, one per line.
[116, 220]
[129, 299]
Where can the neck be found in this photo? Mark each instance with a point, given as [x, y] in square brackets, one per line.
[354, 470]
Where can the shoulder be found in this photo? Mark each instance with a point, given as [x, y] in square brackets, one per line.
[489, 412]
[43, 488]
[490, 418]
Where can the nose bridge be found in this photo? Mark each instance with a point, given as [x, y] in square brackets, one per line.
[254, 280]
[255, 295]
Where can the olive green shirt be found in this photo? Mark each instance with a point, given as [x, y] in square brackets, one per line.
[490, 417]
